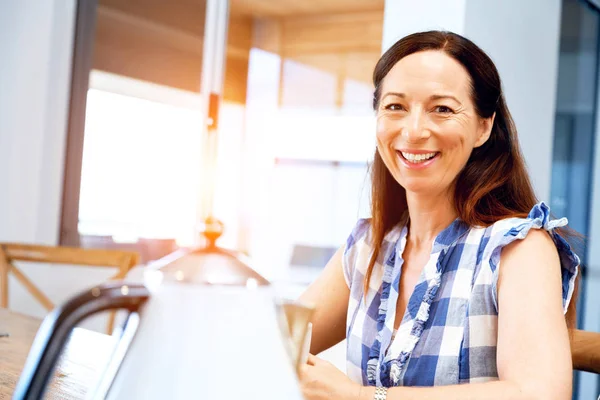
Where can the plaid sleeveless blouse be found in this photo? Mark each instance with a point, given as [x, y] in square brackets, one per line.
[448, 334]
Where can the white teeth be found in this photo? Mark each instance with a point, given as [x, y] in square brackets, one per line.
[418, 158]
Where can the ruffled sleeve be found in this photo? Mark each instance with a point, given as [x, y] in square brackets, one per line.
[507, 231]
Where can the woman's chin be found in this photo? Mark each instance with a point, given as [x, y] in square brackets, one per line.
[420, 187]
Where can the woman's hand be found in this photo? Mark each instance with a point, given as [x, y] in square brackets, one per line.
[319, 380]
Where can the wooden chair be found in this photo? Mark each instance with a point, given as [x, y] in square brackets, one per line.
[585, 350]
[9, 252]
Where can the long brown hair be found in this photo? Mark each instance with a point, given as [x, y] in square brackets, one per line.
[494, 184]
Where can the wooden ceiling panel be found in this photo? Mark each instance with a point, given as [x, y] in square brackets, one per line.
[138, 44]
[285, 8]
[338, 33]
[162, 42]
[355, 66]
[184, 15]
[347, 45]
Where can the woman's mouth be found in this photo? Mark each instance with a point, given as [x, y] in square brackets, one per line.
[418, 160]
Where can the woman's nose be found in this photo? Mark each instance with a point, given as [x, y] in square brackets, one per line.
[414, 129]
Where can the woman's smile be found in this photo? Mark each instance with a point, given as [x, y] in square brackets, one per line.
[417, 159]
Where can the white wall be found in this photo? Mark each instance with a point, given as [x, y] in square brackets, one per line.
[36, 40]
[403, 17]
[35, 48]
[522, 39]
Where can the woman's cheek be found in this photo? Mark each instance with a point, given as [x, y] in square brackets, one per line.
[386, 128]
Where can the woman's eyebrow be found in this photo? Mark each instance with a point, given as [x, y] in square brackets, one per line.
[432, 97]
[444, 96]
[396, 94]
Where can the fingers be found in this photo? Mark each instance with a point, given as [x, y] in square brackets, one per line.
[306, 374]
[302, 371]
[312, 360]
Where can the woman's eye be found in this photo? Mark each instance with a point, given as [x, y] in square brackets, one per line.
[443, 109]
[394, 107]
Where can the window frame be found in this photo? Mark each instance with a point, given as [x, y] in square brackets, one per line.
[83, 51]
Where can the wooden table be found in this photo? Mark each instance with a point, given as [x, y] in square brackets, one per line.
[80, 364]
[87, 352]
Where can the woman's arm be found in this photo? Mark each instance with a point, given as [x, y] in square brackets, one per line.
[533, 354]
[329, 294]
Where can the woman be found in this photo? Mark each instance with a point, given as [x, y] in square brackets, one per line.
[459, 278]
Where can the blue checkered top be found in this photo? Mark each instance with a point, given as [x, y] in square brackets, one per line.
[448, 334]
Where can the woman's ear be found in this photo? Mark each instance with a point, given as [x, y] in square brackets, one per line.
[485, 130]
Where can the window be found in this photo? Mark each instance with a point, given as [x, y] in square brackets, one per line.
[296, 128]
[309, 132]
[574, 176]
[140, 160]
[134, 151]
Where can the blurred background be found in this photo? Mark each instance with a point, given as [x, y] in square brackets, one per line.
[101, 115]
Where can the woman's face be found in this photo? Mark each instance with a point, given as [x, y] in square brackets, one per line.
[427, 125]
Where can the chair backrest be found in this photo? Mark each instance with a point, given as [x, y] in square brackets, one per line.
[585, 350]
[9, 252]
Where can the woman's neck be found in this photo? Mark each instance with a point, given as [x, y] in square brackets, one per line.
[429, 215]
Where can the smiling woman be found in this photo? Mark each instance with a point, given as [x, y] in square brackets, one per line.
[459, 267]
[426, 98]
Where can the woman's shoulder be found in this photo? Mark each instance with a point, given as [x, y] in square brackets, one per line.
[362, 234]
[359, 249]
[508, 230]
[532, 233]
[357, 245]
[539, 217]
[359, 232]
